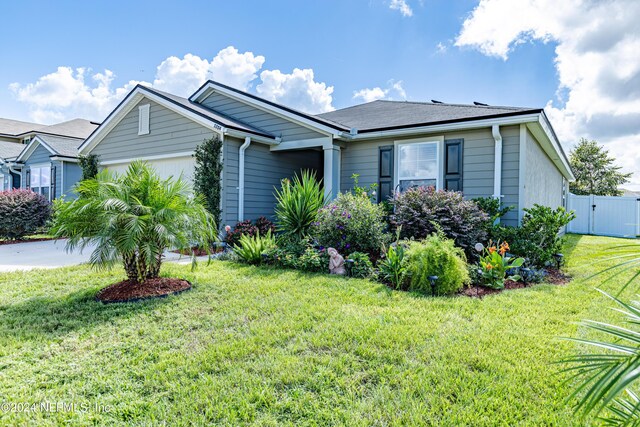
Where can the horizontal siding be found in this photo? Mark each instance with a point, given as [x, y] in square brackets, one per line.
[264, 170]
[39, 155]
[261, 119]
[72, 175]
[543, 183]
[169, 132]
[478, 158]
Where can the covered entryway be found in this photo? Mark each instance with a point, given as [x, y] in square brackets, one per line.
[605, 215]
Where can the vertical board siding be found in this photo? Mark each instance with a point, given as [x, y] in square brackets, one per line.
[169, 132]
[478, 158]
[543, 181]
[264, 170]
[261, 119]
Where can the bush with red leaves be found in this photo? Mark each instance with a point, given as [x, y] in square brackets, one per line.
[246, 227]
[22, 212]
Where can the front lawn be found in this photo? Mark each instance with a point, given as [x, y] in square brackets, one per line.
[251, 345]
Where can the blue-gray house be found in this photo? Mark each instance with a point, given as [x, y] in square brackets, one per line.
[509, 153]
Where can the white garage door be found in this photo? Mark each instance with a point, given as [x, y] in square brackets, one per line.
[166, 168]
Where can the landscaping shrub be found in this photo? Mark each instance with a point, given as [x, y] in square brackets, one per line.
[361, 267]
[421, 211]
[262, 225]
[134, 218]
[436, 256]
[313, 260]
[206, 177]
[298, 202]
[495, 264]
[250, 248]
[537, 239]
[89, 166]
[352, 223]
[299, 254]
[22, 212]
[493, 208]
[393, 267]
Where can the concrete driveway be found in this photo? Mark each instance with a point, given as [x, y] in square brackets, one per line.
[48, 254]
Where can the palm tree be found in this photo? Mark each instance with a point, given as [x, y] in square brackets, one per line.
[133, 219]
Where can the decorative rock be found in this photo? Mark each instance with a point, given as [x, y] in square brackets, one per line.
[336, 262]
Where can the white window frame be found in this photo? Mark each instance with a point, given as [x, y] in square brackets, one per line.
[143, 119]
[40, 166]
[438, 140]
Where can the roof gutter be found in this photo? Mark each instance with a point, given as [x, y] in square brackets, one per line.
[243, 148]
[445, 127]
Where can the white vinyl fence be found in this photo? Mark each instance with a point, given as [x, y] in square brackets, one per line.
[605, 215]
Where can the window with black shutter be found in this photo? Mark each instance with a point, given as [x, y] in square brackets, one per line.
[53, 182]
[385, 173]
[453, 164]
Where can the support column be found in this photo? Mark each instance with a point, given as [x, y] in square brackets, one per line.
[331, 171]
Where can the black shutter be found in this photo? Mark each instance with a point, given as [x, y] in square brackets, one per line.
[53, 183]
[453, 164]
[28, 179]
[385, 173]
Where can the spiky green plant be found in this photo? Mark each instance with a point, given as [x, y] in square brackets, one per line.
[250, 248]
[134, 218]
[607, 378]
[298, 201]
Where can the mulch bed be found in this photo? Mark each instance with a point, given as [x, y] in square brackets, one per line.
[129, 291]
[554, 277]
[13, 242]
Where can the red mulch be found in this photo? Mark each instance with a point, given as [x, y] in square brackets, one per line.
[127, 290]
[199, 251]
[13, 242]
[554, 277]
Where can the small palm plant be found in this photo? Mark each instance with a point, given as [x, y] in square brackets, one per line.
[133, 219]
[298, 204]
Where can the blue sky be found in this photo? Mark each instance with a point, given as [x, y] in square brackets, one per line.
[576, 58]
[350, 45]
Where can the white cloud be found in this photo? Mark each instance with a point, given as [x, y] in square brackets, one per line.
[402, 7]
[393, 91]
[596, 59]
[441, 47]
[65, 94]
[68, 93]
[297, 90]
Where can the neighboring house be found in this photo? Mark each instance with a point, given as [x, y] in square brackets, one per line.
[43, 158]
[505, 152]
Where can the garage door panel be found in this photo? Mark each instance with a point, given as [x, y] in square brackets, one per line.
[166, 168]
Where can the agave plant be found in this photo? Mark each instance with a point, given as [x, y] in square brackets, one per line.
[607, 378]
[133, 219]
[298, 204]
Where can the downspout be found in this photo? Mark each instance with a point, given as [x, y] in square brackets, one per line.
[243, 147]
[11, 176]
[497, 166]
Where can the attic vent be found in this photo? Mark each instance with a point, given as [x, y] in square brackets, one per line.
[436, 101]
[480, 103]
[143, 119]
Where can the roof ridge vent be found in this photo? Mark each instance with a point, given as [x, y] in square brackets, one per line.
[480, 104]
[436, 101]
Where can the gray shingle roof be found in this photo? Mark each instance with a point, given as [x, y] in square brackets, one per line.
[9, 150]
[76, 128]
[62, 146]
[213, 115]
[378, 115]
[17, 127]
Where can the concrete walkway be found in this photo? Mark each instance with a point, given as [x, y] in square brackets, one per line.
[50, 254]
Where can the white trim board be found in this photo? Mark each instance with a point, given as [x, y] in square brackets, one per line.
[31, 147]
[146, 158]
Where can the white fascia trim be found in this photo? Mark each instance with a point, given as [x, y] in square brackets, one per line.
[254, 138]
[475, 124]
[555, 144]
[302, 144]
[145, 158]
[65, 159]
[128, 104]
[26, 153]
[439, 155]
[302, 121]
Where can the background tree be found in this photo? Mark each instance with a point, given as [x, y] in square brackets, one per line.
[208, 169]
[595, 170]
[89, 166]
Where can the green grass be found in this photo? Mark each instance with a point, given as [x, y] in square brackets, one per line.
[265, 347]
